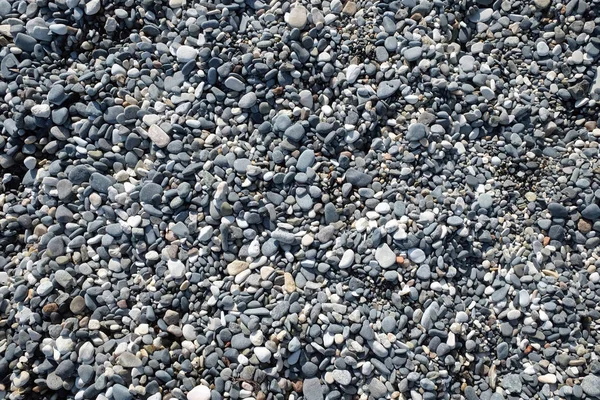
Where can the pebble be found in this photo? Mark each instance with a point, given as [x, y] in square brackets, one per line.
[200, 392]
[92, 7]
[311, 389]
[347, 259]
[248, 100]
[385, 256]
[298, 17]
[416, 132]
[158, 136]
[128, 360]
[237, 266]
[313, 200]
[342, 377]
[41, 110]
[413, 54]
[416, 255]
[176, 269]
[186, 53]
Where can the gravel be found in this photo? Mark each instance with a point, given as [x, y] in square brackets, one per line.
[307, 200]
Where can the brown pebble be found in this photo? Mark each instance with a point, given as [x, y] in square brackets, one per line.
[50, 308]
[584, 226]
[40, 230]
[590, 125]
[349, 9]
[297, 386]
[77, 305]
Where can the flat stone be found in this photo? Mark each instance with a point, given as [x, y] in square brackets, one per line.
[149, 190]
[357, 178]
[502, 351]
[41, 110]
[454, 220]
[200, 392]
[352, 73]
[158, 136]
[92, 7]
[416, 132]
[55, 247]
[63, 278]
[235, 84]
[542, 49]
[77, 305]
[237, 266]
[385, 256]
[386, 89]
[176, 269]
[54, 382]
[542, 4]
[413, 53]
[424, 272]
[485, 200]
[513, 315]
[248, 100]
[298, 16]
[120, 392]
[591, 385]
[416, 255]
[189, 332]
[430, 315]
[57, 95]
[79, 174]
[312, 389]
[347, 259]
[186, 53]
[547, 378]
[25, 42]
[295, 132]
[262, 354]
[129, 360]
[342, 376]
[591, 212]
[306, 160]
[512, 383]
[558, 210]
[349, 9]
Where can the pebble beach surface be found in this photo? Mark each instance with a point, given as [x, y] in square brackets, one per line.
[237, 199]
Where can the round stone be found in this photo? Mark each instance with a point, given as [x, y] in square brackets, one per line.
[416, 255]
[298, 16]
[186, 53]
[200, 392]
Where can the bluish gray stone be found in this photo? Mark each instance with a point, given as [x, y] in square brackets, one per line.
[413, 53]
[248, 100]
[591, 212]
[357, 178]
[386, 89]
[149, 190]
[295, 132]
[512, 383]
[100, 182]
[502, 350]
[424, 272]
[312, 389]
[306, 160]
[591, 385]
[416, 132]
